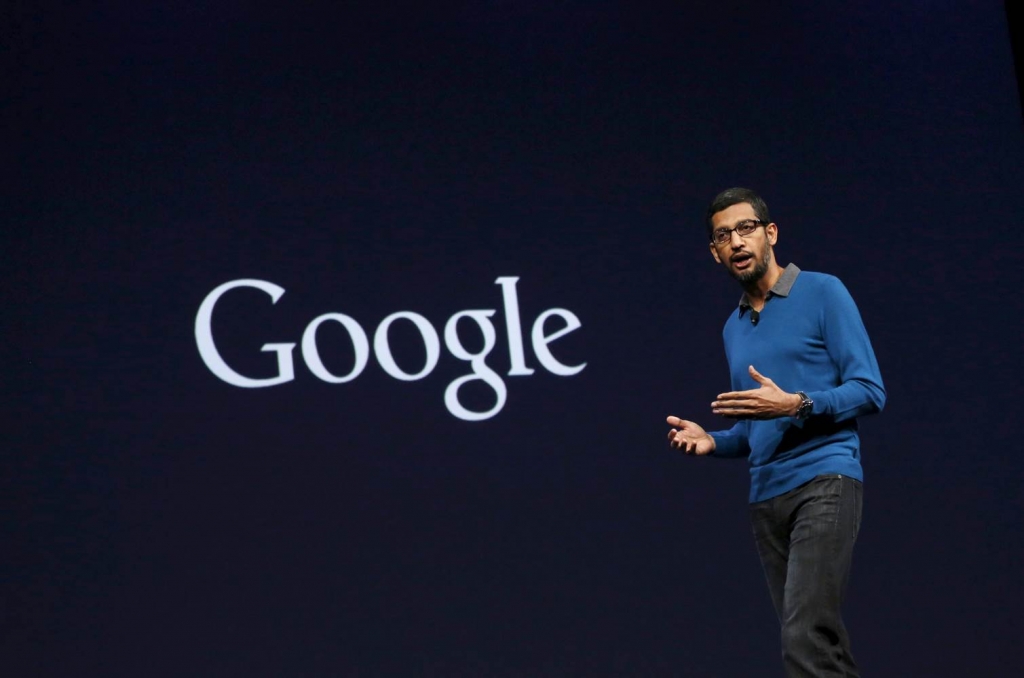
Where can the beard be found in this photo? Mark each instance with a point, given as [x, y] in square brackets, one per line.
[759, 270]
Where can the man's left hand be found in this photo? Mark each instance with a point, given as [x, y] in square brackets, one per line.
[767, 402]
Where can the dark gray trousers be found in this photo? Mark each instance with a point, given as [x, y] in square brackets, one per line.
[805, 539]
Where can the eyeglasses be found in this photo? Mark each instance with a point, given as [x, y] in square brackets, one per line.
[743, 229]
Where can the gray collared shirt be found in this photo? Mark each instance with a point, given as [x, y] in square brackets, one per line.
[781, 287]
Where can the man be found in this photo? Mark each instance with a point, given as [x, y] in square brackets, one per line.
[802, 369]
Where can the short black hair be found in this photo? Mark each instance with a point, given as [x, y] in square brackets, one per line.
[735, 196]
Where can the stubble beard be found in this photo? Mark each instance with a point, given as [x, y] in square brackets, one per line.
[751, 277]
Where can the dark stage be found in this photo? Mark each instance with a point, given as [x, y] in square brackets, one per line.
[338, 339]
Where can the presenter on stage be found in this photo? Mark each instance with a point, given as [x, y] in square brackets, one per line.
[802, 370]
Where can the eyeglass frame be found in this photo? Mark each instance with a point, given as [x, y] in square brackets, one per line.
[727, 232]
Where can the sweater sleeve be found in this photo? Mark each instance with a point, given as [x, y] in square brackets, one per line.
[733, 442]
[860, 390]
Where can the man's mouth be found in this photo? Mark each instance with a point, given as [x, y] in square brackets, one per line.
[741, 260]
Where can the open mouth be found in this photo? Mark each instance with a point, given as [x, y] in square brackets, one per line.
[742, 260]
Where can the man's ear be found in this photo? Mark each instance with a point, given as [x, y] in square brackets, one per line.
[772, 230]
[714, 253]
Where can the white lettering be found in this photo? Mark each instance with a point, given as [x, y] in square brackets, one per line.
[513, 326]
[208, 350]
[480, 369]
[360, 346]
[383, 349]
[541, 341]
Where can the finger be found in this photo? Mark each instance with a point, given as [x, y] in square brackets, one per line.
[738, 404]
[741, 412]
[759, 378]
[674, 421]
[671, 434]
[736, 395]
[732, 411]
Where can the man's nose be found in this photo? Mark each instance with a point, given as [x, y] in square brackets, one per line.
[735, 239]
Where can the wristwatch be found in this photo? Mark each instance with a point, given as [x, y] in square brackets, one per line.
[806, 404]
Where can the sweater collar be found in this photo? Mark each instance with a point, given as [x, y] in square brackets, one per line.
[781, 287]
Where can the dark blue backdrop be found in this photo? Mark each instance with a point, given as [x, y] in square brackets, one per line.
[158, 521]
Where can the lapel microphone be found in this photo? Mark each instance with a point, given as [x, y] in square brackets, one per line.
[754, 317]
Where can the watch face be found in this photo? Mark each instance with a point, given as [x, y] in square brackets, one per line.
[805, 406]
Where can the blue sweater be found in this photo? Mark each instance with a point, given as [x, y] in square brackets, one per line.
[809, 337]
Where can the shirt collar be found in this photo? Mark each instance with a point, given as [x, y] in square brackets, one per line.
[781, 287]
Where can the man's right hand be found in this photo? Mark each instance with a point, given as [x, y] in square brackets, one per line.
[689, 437]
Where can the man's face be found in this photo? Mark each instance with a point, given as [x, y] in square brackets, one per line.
[746, 258]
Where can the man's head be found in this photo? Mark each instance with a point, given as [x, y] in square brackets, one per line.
[741, 234]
